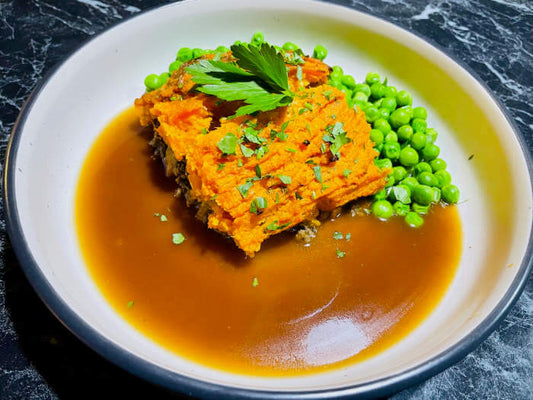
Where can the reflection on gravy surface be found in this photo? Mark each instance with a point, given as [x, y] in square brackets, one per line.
[292, 309]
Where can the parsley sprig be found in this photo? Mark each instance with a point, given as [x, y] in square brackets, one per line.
[258, 78]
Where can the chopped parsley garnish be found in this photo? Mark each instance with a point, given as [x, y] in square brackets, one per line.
[347, 173]
[228, 144]
[287, 180]
[221, 166]
[337, 138]
[130, 304]
[340, 254]
[290, 150]
[298, 196]
[243, 189]
[163, 218]
[257, 205]
[337, 236]
[273, 226]
[204, 131]
[178, 238]
[277, 198]
[313, 195]
[348, 237]
[255, 282]
[326, 94]
[246, 152]
[318, 173]
[299, 73]
[310, 162]
[258, 171]
[239, 163]
[258, 78]
[309, 106]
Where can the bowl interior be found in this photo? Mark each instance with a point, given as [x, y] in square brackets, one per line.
[103, 78]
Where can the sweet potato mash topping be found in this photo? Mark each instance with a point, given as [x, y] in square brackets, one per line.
[253, 176]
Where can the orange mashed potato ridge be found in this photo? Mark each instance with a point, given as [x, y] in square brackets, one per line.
[192, 124]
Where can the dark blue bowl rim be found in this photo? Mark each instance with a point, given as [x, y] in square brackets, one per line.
[202, 389]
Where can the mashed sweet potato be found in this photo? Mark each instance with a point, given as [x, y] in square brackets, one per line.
[288, 164]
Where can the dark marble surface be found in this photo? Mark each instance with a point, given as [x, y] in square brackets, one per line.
[40, 359]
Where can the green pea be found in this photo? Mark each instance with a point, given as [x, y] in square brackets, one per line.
[399, 173]
[437, 164]
[376, 136]
[427, 179]
[184, 54]
[336, 76]
[421, 167]
[197, 52]
[383, 163]
[401, 209]
[372, 77]
[420, 209]
[363, 87]
[163, 78]
[258, 38]
[409, 110]
[419, 125]
[390, 180]
[408, 157]
[431, 135]
[400, 193]
[418, 141]
[423, 194]
[404, 132]
[377, 90]
[152, 82]
[420, 112]
[392, 150]
[383, 113]
[174, 66]
[382, 209]
[371, 113]
[414, 220]
[391, 137]
[379, 147]
[390, 91]
[347, 92]
[389, 103]
[348, 80]
[410, 182]
[399, 117]
[404, 98]
[381, 195]
[289, 46]
[450, 194]
[336, 83]
[221, 49]
[382, 125]
[430, 151]
[361, 105]
[436, 195]
[360, 96]
[443, 177]
[338, 69]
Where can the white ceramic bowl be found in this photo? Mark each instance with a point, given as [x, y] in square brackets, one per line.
[68, 110]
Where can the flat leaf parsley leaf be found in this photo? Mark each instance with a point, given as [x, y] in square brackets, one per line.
[258, 78]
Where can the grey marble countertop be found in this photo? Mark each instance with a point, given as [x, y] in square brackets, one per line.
[40, 359]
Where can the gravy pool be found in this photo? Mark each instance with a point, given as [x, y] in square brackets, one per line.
[293, 309]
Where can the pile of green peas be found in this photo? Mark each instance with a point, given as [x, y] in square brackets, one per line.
[400, 133]
[405, 144]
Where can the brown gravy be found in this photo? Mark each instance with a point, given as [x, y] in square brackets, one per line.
[309, 309]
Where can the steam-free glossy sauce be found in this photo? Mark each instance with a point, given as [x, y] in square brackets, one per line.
[292, 309]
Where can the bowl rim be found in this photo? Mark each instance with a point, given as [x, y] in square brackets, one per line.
[203, 389]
